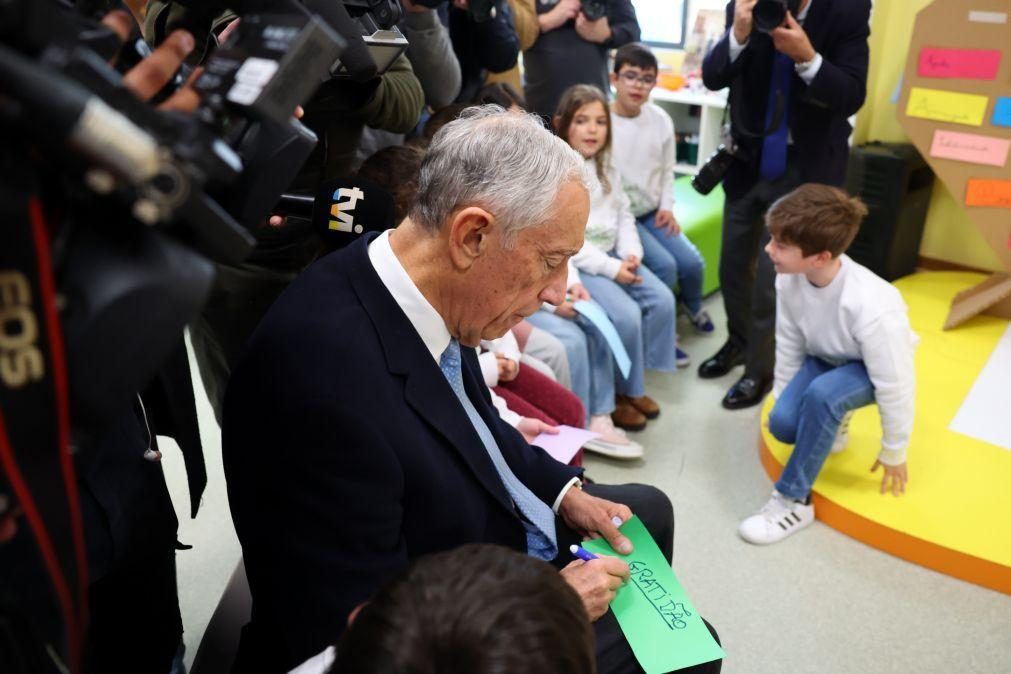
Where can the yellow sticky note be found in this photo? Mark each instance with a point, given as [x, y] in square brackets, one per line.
[946, 106]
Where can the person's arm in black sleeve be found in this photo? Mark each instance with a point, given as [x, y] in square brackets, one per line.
[624, 25]
[718, 71]
[841, 82]
[498, 46]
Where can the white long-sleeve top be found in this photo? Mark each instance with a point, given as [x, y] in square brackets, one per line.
[643, 150]
[610, 226]
[858, 316]
[507, 346]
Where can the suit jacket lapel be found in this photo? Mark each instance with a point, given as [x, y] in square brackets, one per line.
[425, 388]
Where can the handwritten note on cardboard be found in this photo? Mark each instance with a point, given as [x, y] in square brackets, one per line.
[946, 106]
[970, 147]
[967, 64]
[987, 192]
[658, 620]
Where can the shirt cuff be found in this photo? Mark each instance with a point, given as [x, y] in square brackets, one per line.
[892, 457]
[565, 490]
[811, 71]
[736, 47]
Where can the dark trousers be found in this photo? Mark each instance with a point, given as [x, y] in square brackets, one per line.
[614, 655]
[747, 277]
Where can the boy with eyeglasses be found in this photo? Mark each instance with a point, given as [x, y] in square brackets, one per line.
[643, 151]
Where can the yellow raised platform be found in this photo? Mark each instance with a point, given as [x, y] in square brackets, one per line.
[956, 514]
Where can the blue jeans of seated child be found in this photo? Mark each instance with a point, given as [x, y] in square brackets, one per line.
[808, 413]
[674, 259]
[590, 360]
[643, 315]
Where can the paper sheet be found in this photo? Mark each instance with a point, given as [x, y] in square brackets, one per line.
[659, 621]
[563, 447]
[946, 106]
[985, 411]
[988, 193]
[970, 147]
[968, 64]
[595, 314]
[1002, 111]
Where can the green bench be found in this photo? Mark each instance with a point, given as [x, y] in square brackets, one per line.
[701, 218]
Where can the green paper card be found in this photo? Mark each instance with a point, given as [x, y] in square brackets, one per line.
[659, 621]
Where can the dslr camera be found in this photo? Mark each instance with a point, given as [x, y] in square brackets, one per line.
[768, 15]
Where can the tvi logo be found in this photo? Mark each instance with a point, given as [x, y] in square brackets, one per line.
[343, 211]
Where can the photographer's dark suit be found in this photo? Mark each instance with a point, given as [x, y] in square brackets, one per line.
[348, 456]
[819, 129]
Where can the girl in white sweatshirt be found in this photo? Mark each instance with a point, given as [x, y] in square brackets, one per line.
[843, 341]
[610, 262]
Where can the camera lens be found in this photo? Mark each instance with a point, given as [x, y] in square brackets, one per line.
[769, 15]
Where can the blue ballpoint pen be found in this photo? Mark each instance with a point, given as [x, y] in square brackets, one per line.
[582, 553]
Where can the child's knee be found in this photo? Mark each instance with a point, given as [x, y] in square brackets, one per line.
[782, 426]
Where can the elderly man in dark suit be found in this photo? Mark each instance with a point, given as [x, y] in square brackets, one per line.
[358, 434]
[792, 91]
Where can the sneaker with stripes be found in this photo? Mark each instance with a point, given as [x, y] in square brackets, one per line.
[780, 517]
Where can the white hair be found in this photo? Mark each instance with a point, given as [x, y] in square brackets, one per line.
[505, 162]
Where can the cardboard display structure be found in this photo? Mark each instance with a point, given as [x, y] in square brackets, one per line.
[956, 108]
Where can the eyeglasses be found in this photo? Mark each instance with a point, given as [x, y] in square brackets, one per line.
[632, 79]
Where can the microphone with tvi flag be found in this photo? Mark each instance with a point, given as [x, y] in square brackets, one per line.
[342, 210]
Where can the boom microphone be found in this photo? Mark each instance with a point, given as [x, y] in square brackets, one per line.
[342, 210]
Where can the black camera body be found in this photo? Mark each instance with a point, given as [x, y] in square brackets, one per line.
[715, 169]
[768, 15]
[594, 9]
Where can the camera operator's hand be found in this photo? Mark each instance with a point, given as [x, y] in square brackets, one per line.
[598, 31]
[742, 20]
[626, 274]
[790, 39]
[666, 221]
[561, 13]
[413, 8]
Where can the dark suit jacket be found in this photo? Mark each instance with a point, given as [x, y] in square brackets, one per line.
[838, 30]
[348, 456]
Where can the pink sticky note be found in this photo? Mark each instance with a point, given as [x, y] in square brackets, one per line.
[970, 147]
[564, 445]
[969, 64]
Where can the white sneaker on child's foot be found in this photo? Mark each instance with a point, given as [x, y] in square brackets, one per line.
[842, 436]
[612, 441]
[780, 517]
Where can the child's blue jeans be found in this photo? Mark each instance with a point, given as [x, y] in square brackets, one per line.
[808, 413]
[674, 259]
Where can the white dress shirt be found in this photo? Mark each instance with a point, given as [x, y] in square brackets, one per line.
[807, 74]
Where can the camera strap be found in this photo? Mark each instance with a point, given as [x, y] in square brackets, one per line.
[35, 458]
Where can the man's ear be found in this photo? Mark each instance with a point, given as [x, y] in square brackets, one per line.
[469, 236]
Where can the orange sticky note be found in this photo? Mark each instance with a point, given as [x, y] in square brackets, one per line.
[988, 192]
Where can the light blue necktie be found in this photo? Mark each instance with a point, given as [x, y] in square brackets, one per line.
[538, 519]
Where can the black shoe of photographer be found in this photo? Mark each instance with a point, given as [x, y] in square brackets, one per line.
[726, 359]
[747, 392]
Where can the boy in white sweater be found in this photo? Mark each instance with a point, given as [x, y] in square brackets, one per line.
[843, 341]
[643, 151]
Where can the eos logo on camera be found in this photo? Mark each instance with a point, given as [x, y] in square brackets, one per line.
[20, 360]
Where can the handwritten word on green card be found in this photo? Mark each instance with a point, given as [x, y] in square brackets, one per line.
[659, 621]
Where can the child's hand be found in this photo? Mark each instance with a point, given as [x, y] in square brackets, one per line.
[897, 474]
[508, 368]
[626, 275]
[530, 428]
[666, 221]
[578, 293]
[634, 261]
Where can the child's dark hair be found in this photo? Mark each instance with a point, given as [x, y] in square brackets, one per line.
[442, 117]
[500, 93]
[637, 55]
[395, 169]
[480, 609]
[572, 100]
[816, 218]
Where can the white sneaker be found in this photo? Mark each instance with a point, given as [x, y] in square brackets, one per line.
[612, 441]
[842, 436]
[779, 517]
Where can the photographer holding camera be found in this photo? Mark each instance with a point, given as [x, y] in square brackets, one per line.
[797, 69]
[572, 48]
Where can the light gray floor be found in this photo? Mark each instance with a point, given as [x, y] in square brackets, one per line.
[818, 602]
